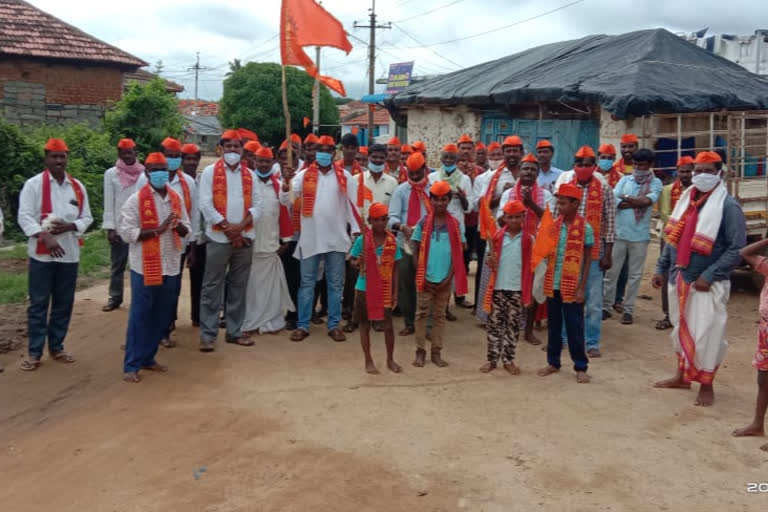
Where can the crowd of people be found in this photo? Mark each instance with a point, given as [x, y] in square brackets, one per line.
[267, 234]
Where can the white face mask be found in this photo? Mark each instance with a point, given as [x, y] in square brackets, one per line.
[494, 164]
[232, 158]
[706, 182]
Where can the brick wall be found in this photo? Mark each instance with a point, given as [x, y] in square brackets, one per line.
[33, 92]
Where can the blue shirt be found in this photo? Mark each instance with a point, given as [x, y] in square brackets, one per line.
[510, 264]
[627, 227]
[589, 241]
[398, 208]
[731, 238]
[357, 250]
[547, 179]
[439, 260]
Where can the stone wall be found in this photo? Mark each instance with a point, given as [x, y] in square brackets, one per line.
[437, 126]
[611, 130]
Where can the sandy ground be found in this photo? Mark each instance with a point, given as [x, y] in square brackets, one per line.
[294, 427]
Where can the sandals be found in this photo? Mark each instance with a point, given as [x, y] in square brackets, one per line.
[242, 341]
[664, 324]
[157, 367]
[299, 335]
[30, 365]
[63, 357]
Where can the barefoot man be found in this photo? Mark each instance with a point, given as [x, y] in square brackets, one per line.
[704, 235]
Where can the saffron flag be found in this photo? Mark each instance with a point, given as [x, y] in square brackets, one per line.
[306, 122]
[306, 23]
[546, 240]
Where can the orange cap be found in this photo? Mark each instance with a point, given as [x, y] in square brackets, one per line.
[126, 144]
[171, 144]
[406, 149]
[295, 138]
[465, 139]
[544, 144]
[707, 157]
[450, 148]
[247, 134]
[378, 210]
[394, 141]
[264, 152]
[512, 140]
[585, 152]
[629, 138]
[608, 149]
[513, 207]
[326, 140]
[309, 139]
[416, 161]
[493, 145]
[569, 190]
[155, 158]
[283, 145]
[530, 157]
[56, 145]
[479, 146]
[190, 149]
[230, 135]
[363, 150]
[419, 146]
[684, 160]
[252, 146]
[440, 188]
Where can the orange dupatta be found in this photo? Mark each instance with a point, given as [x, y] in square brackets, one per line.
[402, 175]
[593, 211]
[220, 190]
[150, 248]
[457, 254]
[574, 249]
[675, 192]
[187, 194]
[526, 280]
[378, 274]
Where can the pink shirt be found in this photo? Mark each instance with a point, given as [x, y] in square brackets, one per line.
[762, 267]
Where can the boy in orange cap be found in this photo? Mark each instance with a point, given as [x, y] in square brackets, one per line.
[375, 253]
[571, 239]
[438, 252]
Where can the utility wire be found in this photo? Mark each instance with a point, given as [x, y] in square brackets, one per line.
[401, 29]
[428, 12]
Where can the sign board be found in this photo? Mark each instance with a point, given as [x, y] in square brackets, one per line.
[399, 77]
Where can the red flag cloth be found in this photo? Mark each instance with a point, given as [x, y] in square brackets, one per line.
[306, 23]
[306, 122]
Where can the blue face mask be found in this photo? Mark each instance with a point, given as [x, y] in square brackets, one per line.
[323, 159]
[173, 163]
[158, 178]
[604, 164]
[376, 169]
[449, 168]
[263, 174]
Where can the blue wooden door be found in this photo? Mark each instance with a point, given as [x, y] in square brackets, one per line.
[566, 135]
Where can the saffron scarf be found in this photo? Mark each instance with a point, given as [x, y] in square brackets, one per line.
[682, 235]
[401, 175]
[356, 169]
[457, 254]
[417, 197]
[285, 222]
[593, 211]
[571, 269]
[309, 192]
[675, 192]
[186, 192]
[128, 174]
[613, 176]
[46, 206]
[378, 274]
[151, 256]
[531, 222]
[220, 190]
[494, 181]
[526, 278]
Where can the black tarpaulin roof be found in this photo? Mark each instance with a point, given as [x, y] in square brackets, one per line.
[629, 74]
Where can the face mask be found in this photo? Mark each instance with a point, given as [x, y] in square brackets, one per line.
[705, 182]
[605, 165]
[376, 168]
[158, 178]
[584, 173]
[232, 158]
[494, 164]
[323, 159]
[449, 168]
[264, 174]
[173, 163]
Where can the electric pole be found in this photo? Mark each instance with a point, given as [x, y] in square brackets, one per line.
[196, 68]
[372, 62]
[316, 95]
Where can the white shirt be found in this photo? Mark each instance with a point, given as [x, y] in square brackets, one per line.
[568, 176]
[326, 230]
[549, 200]
[454, 207]
[115, 196]
[64, 206]
[194, 212]
[129, 228]
[382, 189]
[267, 230]
[276, 166]
[484, 180]
[235, 203]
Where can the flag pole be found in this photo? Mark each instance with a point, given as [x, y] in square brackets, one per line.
[287, 115]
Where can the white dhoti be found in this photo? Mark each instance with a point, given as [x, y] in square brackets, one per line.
[699, 336]
[268, 297]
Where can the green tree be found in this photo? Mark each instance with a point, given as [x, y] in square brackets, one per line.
[234, 65]
[147, 114]
[252, 99]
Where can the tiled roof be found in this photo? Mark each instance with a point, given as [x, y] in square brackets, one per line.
[380, 117]
[26, 31]
[142, 76]
[201, 108]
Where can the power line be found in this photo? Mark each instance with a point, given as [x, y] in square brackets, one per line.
[401, 29]
[428, 12]
[520, 22]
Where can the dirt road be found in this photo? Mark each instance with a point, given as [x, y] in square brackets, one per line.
[296, 427]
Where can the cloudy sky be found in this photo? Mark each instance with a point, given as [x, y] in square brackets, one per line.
[424, 31]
